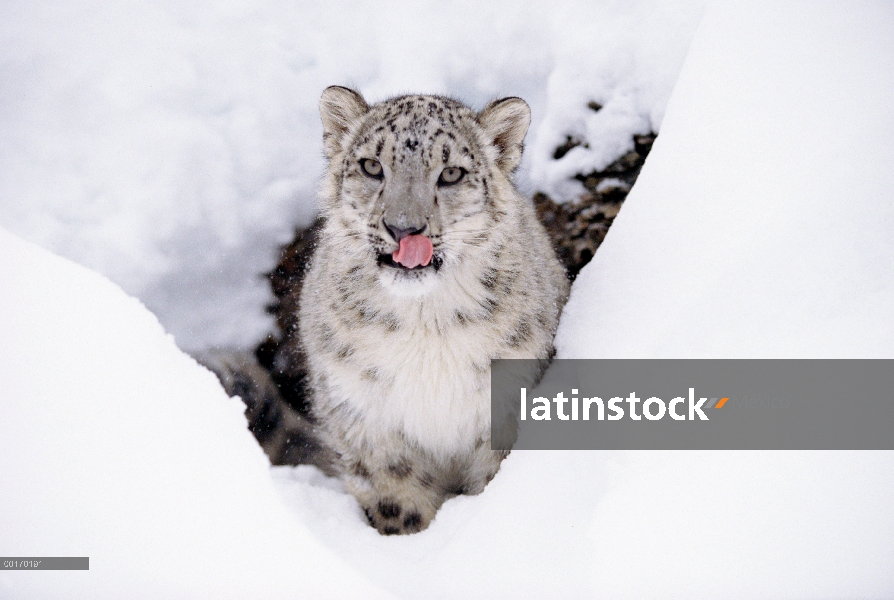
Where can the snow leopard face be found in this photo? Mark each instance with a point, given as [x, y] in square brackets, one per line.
[414, 177]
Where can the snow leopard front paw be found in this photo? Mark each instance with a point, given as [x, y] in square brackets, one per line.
[392, 516]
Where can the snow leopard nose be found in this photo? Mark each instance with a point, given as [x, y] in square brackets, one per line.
[398, 234]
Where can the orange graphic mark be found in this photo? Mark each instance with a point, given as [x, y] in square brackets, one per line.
[721, 403]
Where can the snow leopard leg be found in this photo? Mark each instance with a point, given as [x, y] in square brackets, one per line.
[401, 492]
[286, 435]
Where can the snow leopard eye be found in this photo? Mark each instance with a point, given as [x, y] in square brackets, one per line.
[371, 167]
[451, 175]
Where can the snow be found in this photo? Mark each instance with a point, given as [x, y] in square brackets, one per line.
[626, 61]
[761, 225]
[117, 446]
[173, 146]
[165, 146]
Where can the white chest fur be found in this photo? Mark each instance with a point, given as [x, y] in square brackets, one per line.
[430, 383]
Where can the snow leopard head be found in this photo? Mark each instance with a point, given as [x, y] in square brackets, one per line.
[422, 179]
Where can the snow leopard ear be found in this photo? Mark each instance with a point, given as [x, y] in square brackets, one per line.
[339, 108]
[506, 122]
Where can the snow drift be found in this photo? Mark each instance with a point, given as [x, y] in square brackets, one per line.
[761, 225]
[172, 146]
[117, 446]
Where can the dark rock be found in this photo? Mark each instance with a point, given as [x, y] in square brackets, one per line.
[577, 228]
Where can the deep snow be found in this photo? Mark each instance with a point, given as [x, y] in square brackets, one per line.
[765, 231]
[173, 146]
[757, 228]
[117, 446]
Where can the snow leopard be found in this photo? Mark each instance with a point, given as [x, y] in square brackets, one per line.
[428, 265]
[424, 265]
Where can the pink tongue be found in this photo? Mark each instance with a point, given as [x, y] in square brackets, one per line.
[414, 250]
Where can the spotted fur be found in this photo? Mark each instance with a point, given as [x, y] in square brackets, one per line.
[398, 359]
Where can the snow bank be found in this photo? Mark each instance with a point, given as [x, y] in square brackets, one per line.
[761, 225]
[172, 146]
[117, 446]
